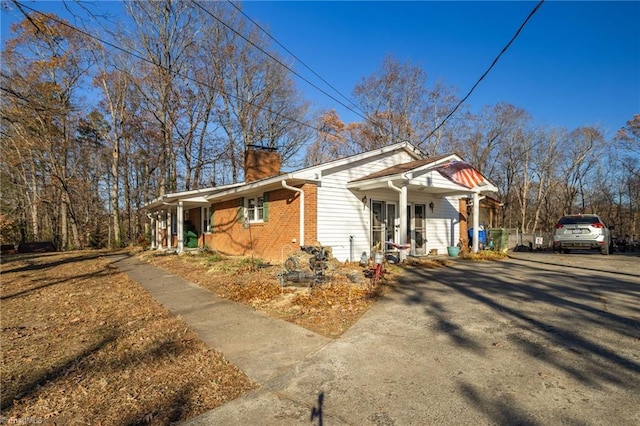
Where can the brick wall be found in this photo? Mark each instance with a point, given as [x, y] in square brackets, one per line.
[269, 238]
[260, 164]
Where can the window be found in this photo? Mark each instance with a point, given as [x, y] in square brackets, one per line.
[206, 219]
[255, 209]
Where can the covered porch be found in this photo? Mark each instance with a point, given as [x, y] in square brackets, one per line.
[417, 207]
[177, 218]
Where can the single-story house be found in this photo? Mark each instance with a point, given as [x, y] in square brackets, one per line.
[391, 198]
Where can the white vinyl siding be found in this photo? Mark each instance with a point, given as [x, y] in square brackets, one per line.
[342, 212]
[443, 227]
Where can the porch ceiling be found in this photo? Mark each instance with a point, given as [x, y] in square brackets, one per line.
[424, 187]
[187, 203]
[196, 196]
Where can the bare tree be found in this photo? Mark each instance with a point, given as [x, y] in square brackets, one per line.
[334, 139]
[115, 86]
[165, 32]
[546, 157]
[628, 137]
[259, 104]
[44, 67]
[581, 148]
[400, 106]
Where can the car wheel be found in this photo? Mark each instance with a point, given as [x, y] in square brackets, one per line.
[605, 250]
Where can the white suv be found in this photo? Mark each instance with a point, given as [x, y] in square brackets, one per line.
[581, 232]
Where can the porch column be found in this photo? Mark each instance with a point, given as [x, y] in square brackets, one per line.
[158, 228]
[168, 229]
[180, 223]
[404, 226]
[476, 221]
[402, 199]
[153, 232]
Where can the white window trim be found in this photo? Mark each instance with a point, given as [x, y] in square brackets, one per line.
[174, 223]
[256, 209]
[205, 214]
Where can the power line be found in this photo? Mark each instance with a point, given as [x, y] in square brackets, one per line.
[139, 56]
[285, 66]
[495, 61]
[294, 56]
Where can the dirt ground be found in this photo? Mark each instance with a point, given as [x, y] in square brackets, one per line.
[328, 308]
[82, 344]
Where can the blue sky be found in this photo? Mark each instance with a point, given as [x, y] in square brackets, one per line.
[574, 64]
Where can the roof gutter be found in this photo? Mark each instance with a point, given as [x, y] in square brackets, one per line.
[301, 192]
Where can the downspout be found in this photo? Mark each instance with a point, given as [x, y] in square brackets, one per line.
[180, 223]
[301, 192]
[403, 215]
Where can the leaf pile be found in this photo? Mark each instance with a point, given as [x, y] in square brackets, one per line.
[82, 344]
[485, 255]
[428, 262]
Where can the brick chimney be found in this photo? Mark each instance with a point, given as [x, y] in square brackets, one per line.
[260, 162]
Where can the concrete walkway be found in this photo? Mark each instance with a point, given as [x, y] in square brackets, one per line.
[489, 343]
[261, 346]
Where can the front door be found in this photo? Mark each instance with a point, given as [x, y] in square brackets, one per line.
[378, 229]
[384, 225]
[393, 227]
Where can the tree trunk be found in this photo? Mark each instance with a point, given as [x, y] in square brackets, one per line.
[115, 209]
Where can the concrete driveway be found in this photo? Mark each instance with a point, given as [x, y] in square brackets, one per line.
[542, 339]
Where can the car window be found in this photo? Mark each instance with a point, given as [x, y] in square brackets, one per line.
[578, 220]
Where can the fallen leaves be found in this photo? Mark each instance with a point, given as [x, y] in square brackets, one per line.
[83, 344]
[327, 308]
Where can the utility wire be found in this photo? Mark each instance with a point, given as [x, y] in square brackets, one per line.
[495, 61]
[294, 56]
[286, 67]
[186, 77]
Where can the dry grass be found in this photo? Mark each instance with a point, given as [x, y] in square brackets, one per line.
[328, 309]
[82, 344]
[484, 255]
[428, 262]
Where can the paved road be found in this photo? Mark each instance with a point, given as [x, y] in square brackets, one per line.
[621, 263]
[533, 340]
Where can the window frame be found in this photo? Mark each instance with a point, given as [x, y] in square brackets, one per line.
[205, 213]
[174, 223]
[254, 208]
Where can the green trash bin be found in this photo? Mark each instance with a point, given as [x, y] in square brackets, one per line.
[191, 239]
[500, 238]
